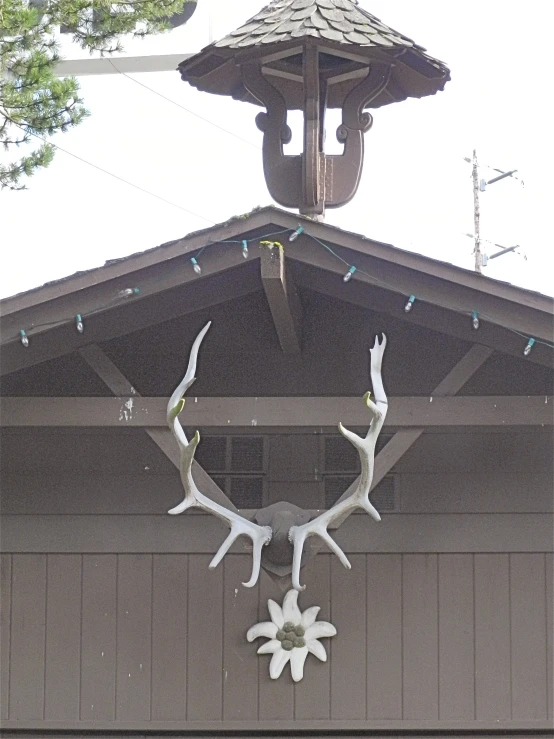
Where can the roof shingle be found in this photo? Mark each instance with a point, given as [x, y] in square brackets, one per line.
[342, 21]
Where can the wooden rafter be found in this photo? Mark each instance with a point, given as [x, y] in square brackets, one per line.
[133, 411]
[446, 293]
[282, 297]
[365, 294]
[118, 383]
[129, 315]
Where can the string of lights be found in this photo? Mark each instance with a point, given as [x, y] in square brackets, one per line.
[268, 239]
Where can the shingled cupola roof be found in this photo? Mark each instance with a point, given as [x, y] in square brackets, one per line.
[311, 55]
[341, 28]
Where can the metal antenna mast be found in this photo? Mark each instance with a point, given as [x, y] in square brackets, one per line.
[481, 259]
[476, 216]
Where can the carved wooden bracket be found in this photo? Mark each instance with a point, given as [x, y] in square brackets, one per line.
[314, 180]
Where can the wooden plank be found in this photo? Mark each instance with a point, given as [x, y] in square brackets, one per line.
[205, 637]
[492, 637]
[127, 269]
[63, 637]
[294, 729]
[312, 694]
[412, 413]
[5, 632]
[98, 640]
[420, 636]
[103, 366]
[169, 643]
[549, 578]
[293, 732]
[107, 317]
[402, 267]
[442, 313]
[528, 636]
[348, 649]
[282, 298]
[456, 637]
[463, 371]
[81, 494]
[27, 637]
[151, 493]
[402, 263]
[384, 630]
[134, 637]
[107, 371]
[496, 491]
[240, 611]
[203, 534]
[276, 697]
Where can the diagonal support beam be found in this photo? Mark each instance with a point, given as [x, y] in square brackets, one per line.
[120, 385]
[282, 297]
[406, 438]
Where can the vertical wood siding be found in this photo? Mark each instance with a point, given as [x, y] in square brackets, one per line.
[118, 638]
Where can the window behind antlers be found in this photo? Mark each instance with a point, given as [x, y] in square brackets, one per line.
[341, 467]
[239, 465]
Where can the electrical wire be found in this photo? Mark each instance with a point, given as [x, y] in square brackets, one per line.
[115, 176]
[187, 110]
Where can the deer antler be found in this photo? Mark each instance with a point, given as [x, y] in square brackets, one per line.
[260, 535]
[360, 497]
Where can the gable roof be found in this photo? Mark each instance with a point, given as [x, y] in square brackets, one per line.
[384, 278]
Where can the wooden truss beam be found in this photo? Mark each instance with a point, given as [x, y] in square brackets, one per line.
[369, 295]
[122, 316]
[118, 383]
[133, 411]
[282, 297]
[405, 438]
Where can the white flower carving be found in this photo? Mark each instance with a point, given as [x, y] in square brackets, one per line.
[292, 635]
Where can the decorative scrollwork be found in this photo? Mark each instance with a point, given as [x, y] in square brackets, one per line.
[263, 124]
[353, 114]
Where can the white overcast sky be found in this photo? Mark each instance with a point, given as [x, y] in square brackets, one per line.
[416, 190]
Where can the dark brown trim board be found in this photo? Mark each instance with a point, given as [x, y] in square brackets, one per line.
[200, 534]
[446, 294]
[437, 729]
[132, 411]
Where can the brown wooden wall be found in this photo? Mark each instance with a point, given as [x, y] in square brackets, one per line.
[112, 621]
[138, 641]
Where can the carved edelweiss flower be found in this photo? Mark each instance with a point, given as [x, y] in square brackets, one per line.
[291, 635]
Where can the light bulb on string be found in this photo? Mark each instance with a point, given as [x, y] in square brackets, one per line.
[296, 233]
[410, 304]
[196, 267]
[348, 276]
[245, 249]
[128, 292]
[475, 319]
[24, 338]
[527, 350]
